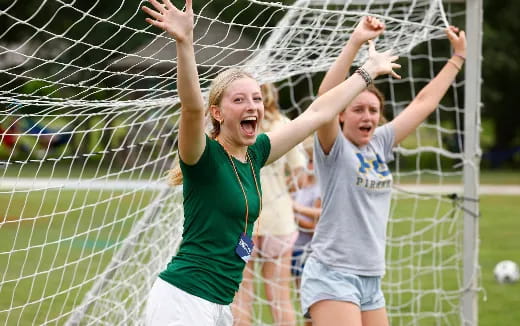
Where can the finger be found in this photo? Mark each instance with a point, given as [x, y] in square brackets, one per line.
[189, 5]
[151, 12]
[169, 5]
[153, 22]
[462, 35]
[159, 7]
[394, 58]
[450, 34]
[376, 24]
[396, 66]
[395, 75]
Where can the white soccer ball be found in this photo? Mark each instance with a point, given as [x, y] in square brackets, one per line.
[506, 271]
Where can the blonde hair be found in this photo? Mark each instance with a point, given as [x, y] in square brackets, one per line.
[216, 90]
[270, 99]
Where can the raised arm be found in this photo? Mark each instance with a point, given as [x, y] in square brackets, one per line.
[326, 107]
[368, 28]
[179, 25]
[429, 97]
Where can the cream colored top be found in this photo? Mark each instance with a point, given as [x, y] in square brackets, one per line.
[277, 217]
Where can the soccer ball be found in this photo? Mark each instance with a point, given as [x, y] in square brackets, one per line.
[506, 272]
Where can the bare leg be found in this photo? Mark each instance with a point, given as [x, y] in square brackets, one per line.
[242, 307]
[376, 317]
[330, 312]
[277, 275]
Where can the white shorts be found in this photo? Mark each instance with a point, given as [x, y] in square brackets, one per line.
[170, 306]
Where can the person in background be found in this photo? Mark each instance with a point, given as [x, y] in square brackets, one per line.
[341, 281]
[307, 209]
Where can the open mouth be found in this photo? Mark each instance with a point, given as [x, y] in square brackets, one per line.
[248, 125]
[366, 129]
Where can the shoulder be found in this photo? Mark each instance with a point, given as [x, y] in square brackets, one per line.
[207, 154]
[260, 150]
[384, 136]
[337, 147]
[385, 130]
[383, 141]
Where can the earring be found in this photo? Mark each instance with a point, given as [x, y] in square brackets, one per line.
[221, 121]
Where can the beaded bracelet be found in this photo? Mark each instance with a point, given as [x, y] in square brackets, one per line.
[365, 75]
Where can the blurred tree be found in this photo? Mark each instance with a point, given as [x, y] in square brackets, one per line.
[501, 70]
[122, 22]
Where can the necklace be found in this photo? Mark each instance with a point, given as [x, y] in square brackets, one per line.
[240, 182]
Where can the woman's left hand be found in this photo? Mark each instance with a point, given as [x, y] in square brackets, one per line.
[458, 42]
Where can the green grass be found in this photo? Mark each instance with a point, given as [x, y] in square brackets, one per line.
[48, 224]
[499, 240]
[499, 234]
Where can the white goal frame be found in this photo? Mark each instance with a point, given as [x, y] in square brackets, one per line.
[166, 199]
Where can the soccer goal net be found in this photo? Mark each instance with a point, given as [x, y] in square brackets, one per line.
[88, 123]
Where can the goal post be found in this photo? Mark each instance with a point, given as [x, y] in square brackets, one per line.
[472, 154]
[88, 122]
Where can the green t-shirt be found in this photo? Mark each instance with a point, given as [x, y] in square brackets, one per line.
[206, 264]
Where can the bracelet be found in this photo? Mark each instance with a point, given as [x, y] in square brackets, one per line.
[365, 75]
[455, 64]
[460, 56]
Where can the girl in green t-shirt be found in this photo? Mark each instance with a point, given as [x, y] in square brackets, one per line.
[219, 173]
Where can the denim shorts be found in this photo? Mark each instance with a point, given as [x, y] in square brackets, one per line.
[321, 282]
[297, 262]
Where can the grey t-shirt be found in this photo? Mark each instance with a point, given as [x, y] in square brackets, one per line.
[356, 188]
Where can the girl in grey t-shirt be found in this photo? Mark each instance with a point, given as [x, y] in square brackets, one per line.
[341, 282]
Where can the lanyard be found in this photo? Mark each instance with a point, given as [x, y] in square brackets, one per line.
[240, 182]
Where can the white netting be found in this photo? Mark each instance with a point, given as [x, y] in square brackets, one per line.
[88, 117]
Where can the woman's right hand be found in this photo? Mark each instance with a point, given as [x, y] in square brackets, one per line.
[380, 63]
[175, 22]
[368, 28]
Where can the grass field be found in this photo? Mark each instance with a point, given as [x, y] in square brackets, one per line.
[499, 240]
[499, 234]
[60, 252]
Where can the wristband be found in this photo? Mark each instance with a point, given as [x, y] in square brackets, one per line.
[460, 56]
[365, 75]
[455, 64]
